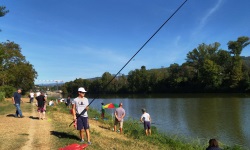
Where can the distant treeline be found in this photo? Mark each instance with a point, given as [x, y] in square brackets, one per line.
[207, 69]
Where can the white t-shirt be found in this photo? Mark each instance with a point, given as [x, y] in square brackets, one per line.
[38, 93]
[146, 117]
[51, 103]
[81, 104]
[32, 95]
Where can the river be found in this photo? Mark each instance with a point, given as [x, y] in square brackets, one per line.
[225, 117]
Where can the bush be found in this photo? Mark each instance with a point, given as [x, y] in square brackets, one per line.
[2, 96]
[9, 90]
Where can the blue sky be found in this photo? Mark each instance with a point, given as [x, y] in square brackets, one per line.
[65, 40]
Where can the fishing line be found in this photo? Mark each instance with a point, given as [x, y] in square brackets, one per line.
[133, 56]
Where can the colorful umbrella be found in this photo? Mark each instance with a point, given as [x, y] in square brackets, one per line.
[111, 105]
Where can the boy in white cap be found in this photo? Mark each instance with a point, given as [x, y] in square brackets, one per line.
[78, 105]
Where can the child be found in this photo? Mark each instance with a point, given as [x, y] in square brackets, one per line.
[145, 118]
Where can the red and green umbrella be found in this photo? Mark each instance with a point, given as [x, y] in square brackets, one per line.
[110, 106]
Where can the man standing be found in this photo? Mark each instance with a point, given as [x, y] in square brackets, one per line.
[119, 115]
[16, 99]
[145, 118]
[80, 108]
[41, 104]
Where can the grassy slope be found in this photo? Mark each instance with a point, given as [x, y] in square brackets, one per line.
[102, 136]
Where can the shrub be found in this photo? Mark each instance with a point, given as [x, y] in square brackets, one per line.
[2, 96]
[9, 90]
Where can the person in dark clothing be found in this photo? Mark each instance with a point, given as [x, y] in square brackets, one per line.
[213, 145]
[17, 99]
[41, 104]
[68, 102]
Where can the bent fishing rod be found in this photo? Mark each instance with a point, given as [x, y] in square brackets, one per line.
[104, 87]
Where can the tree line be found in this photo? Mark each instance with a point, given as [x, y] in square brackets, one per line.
[207, 68]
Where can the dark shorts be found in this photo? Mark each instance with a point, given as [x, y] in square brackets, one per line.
[41, 109]
[82, 123]
[146, 125]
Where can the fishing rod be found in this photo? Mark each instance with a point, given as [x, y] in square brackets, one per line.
[132, 58]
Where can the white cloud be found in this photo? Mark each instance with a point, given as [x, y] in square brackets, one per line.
[210, 12]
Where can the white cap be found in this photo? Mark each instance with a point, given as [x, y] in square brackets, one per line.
[81, 89]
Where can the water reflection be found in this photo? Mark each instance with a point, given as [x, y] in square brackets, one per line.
[225, 117]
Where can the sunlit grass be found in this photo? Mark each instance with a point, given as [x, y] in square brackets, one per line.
[66, 135]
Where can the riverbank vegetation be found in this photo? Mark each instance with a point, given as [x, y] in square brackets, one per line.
[133, 131]
[208, 68]
[102, 135]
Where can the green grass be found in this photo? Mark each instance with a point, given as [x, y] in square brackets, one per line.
[6, 108]
[64, 135]
[132, 129]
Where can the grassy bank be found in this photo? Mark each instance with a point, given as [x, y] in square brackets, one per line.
[132, 130]
[102, 136]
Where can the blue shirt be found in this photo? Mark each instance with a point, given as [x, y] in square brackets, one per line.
[17, 97]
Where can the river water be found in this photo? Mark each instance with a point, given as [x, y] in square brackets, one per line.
[225, 117]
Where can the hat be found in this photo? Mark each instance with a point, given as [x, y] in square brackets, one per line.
[143, 110]
[81, 89]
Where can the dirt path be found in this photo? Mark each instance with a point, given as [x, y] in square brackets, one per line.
[24, 133]
[38, 132]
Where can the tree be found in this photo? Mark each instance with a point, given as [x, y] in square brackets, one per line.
[3, 11]
[211, 74]
[235, 48]
[138, 80]
[15, 70]
[174, 77]
[106, 78]
[198, 56]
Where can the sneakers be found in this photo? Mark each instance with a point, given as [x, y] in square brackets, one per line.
[82, 141]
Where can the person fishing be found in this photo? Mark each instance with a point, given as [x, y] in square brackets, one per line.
[78, 105]
[119, 115]
[146, 120]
